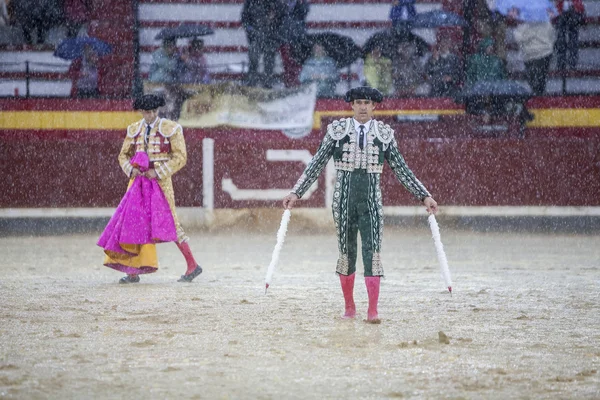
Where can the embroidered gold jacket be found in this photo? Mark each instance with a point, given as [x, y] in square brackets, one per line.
[164, 145]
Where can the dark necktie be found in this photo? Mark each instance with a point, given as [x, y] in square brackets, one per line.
[147, 135]
[361, 138]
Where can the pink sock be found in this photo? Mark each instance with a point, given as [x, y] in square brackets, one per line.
[372, 283]
[347, 282]
[189, 258]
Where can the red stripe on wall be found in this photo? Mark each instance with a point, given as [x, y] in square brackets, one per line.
[581, 101]
[44, 104]
[237, 24]
[424, 103]
[85, 172]
[311, 1]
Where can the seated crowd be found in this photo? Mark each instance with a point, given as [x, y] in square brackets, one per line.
[42, 22]
[443, 69]
[170, 65]
[277, 25]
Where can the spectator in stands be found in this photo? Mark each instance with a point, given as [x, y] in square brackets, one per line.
[76, 15]
[195, 67]
[407, 71]
[166, 69]
[485, 65]
[321, 69]
[378, 71]
[488, 22]
[36, 17]
[443, 69]
[535, 36]
[166, 64]
[4, 17]
[294, 30]
[84, 75]
[402, 13]
[571, 15]
[262, 20]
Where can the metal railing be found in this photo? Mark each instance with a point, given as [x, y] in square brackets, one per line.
[29, 71]
[32, 70]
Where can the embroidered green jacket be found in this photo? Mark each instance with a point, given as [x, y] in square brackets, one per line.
[340, 143]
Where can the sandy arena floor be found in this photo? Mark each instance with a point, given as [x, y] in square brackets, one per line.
[524, 321]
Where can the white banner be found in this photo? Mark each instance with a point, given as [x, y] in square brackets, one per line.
[247, 107]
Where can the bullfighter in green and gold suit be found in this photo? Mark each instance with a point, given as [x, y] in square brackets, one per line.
[359, 147]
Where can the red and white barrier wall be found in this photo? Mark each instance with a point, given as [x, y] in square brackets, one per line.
[59, 158]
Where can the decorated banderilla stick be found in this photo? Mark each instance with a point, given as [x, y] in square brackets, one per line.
[439, 247]
[285, 219]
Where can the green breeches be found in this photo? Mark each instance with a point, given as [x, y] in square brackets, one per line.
[357, 207]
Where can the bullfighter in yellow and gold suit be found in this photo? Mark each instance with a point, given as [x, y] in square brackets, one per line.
[163, 141]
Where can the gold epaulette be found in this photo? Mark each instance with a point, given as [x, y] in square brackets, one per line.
[134, 129]
[168, 128]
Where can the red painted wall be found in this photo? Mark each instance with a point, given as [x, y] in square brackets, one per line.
[459, 163]
[113, 21]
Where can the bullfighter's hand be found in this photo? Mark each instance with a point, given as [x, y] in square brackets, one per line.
[151, 174]
[431, 205]
[289, 200]
[135, 172]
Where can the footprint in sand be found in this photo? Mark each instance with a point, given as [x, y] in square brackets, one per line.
[145, 343]
[70, 335]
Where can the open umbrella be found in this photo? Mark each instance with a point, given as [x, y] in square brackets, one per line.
[500, 98]
[72, 48]
[389, 40]
[528, 10]
[498, 88]
[339, 47]
[437, 19]
[184, 31]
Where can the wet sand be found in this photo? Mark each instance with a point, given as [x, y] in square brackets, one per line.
[523, 322]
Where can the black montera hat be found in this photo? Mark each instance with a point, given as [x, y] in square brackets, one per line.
[148, 102]
[363, 93]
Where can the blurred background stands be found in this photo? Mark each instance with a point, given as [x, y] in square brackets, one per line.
[226, 50]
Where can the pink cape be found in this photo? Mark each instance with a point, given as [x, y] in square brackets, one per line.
[143, 215]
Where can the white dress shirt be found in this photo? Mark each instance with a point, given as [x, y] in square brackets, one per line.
[367, 126]
[146, 129]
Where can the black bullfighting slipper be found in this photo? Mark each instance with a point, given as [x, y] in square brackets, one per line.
[130, 279]
[190, 277]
